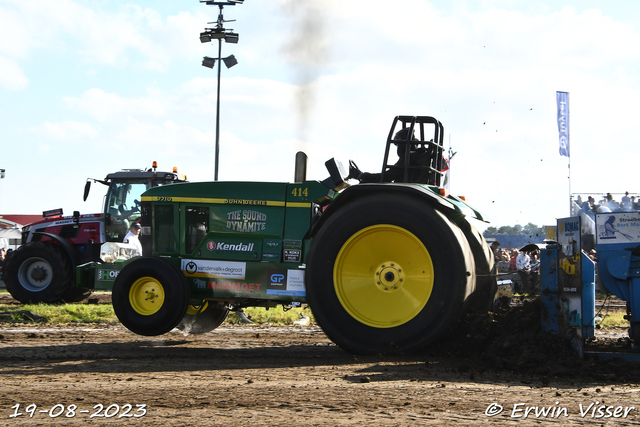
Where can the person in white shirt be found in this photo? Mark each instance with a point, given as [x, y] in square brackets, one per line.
[523, 264]
[132, 237]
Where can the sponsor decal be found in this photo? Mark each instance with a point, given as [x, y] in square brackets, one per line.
[617, 227]
[286, 282]
[233, 286]
[222, 246]
[277, 279]
[292, 255]
[295, 281]
[191, 267]
[227, 286]
[245, 202]
[246, 221]
[218, 269]
[107, 275]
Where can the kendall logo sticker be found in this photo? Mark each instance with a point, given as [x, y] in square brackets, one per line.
[228, 247]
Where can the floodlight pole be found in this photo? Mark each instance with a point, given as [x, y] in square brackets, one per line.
[2, 171]
[220, 33]
[217, 153]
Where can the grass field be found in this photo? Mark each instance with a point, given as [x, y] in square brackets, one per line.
[71, 313]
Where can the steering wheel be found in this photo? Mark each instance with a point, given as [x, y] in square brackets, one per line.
[354, 170]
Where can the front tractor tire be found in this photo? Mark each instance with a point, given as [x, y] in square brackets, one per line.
[38, 272]
[386, 274]
[150, 296]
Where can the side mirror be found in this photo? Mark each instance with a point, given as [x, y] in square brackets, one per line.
[87, 187]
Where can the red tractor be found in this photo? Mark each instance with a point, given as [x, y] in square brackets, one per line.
[43, 268]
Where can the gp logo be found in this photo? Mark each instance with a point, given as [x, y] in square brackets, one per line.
[277, 278]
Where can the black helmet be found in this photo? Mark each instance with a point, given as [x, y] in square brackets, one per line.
[403, 135]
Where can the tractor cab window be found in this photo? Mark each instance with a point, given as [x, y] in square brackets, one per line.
[196, 227]
[123, 207]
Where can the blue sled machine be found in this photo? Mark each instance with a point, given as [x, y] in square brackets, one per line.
[568, 277]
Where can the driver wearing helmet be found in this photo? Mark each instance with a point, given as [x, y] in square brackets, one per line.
[395, 174]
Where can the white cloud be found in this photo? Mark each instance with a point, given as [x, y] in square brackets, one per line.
[69, 130]
[110, 107]
[129, 35]
[11, 75]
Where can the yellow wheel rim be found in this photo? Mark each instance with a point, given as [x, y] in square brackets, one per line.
[383, 276]
[195, 309]
[146, 296]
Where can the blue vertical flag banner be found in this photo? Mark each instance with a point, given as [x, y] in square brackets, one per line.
[562, 99]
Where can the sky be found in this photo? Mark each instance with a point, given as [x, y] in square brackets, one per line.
[89, 87]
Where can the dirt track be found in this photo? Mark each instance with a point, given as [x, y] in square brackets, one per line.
[261, 375]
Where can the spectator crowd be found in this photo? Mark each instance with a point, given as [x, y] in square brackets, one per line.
[609, 204]
[522, 267]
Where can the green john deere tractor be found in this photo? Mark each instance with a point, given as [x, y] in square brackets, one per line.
[386, 264]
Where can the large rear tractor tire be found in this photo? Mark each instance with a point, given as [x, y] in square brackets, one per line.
[150, 296]
[38, 272]
[200, 320]
[486, 276]
[387, 274]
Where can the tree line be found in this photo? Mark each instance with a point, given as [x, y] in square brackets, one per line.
[510, 230]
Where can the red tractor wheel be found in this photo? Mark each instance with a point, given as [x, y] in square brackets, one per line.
[38, 272]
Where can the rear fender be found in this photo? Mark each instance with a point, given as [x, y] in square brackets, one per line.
[453, 211]
[68, 248]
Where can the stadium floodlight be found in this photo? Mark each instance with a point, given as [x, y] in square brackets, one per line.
[230, 61]
[221, 3]
[209, 62]
[231, 38]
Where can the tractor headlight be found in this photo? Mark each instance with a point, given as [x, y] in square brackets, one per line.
[113, 251]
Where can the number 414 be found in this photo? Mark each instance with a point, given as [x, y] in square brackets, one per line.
[299, 192]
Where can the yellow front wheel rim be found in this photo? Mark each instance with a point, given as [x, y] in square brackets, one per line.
[383, 276]
[146, 296]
